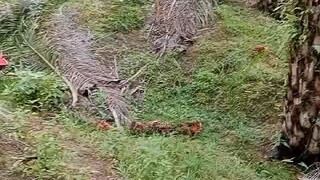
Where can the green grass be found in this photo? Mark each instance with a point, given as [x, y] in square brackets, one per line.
[231, 89]
[31, 90]
[52, 158]
[158, 157]
[112, 16]
[242, 80]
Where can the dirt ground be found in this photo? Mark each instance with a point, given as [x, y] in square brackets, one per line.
[85, 159]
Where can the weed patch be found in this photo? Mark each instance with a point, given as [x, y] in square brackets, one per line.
[49, 156]
[113, 16]
[174, 157]
[36, 91]
[232, 89]
[231, 76]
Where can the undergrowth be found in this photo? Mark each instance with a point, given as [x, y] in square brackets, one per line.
[49, 159]
[49, 156]
[231, 76]
[31, 90]
[231, 89]
[25, 45]
[112, 16]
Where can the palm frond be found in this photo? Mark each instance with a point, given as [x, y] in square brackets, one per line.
[175, 23]
[20, 32]
[66, 50]
[77, 63]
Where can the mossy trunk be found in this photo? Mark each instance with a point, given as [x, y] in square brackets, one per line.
[301, 126]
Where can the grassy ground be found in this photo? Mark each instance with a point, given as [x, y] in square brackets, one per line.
[235, 91]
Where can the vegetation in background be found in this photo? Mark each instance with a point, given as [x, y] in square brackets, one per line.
[229, 87]
[241, 79]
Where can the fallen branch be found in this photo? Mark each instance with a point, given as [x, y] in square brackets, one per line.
[116, 118]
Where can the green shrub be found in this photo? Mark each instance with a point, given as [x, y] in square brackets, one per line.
[37, 91]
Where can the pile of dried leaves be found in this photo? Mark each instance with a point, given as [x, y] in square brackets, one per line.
[175, 23]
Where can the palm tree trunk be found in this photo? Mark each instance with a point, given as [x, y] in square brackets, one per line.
[301, 125]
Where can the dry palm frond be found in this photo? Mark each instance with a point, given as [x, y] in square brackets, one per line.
[268, 5]
[5, 11]
[117, 105]
[175, 22]
[78, 64]
[5, 114]
[313, 174]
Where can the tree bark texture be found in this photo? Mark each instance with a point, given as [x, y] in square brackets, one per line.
[301, 125]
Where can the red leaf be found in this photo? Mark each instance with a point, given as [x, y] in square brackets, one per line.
[196, 127]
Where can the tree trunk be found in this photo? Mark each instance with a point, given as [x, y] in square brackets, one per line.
[301, 126]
